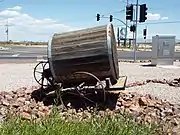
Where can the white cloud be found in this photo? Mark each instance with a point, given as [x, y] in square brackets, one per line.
[25, 27]
[164, 18]
[151, 16]
[8, 13]
[16, 8]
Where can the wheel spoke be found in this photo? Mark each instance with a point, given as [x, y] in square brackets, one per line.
[40, 79]
[39, 72]
[42, 65]
[89, 96]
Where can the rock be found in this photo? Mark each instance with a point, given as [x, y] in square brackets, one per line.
[27, 102]
[40, 104]
[176, 109]
[22, 89]
[1, 118]
[175, 121]
[80, 110]
[5, 102]
[45, 110]
[28, 91]
[50, 107]
[117, 108]
[127, 104]
[153, 114]
[72, 111]
[41, 114]
[3, 111]
[168, 111]
[14, 92]
[143, 101]
[101, 113]
[145, 108]
[176, 130]
[118, 103]
[151, 103]
[135, 108]
[162, 115]
[1, 97]
[148, 120]
[26, 115]
[8, 97]
[69, 105]
[16, 105]
[20, 94]
[21, 99]
[86, 114]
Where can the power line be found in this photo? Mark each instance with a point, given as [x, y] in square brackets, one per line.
[126, 2]
[168, 22]
[162, 22]
[115, 12]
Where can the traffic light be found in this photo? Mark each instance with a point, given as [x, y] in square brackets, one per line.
[129, 12]
[132, 28]
[98, 17]
[143, 13]
[144, 33]
[111, 18]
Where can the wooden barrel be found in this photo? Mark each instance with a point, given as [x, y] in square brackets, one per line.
[90, 50]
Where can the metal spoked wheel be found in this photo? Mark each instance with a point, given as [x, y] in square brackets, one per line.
[42, 74]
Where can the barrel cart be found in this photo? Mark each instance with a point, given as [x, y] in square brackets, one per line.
[80, 60]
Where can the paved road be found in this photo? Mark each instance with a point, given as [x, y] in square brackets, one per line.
[33, 53]
[22, 52]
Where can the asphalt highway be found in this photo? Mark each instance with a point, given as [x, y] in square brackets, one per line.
[21, 53]
[26, 54]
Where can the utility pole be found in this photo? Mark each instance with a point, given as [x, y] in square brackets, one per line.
[7, 31]
[126, 26]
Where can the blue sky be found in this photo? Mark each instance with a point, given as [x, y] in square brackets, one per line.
[64, 15]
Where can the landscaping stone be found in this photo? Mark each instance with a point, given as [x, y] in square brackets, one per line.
[144, 108]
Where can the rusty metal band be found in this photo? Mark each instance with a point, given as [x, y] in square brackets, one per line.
[49, 53]
[109, 32]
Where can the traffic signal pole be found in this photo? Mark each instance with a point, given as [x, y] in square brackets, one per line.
[133, 18]
[126, 27]
[135, 41]
[146, 37]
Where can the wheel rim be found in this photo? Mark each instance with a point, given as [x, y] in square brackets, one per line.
[99, 84]
[39, 73]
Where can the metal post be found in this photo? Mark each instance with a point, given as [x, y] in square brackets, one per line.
[118, 38]
[133, 38]
[136, 31]
[146, 38]
[126, 25]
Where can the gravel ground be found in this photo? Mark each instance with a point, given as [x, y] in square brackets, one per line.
[14, 76]
[137, 72]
